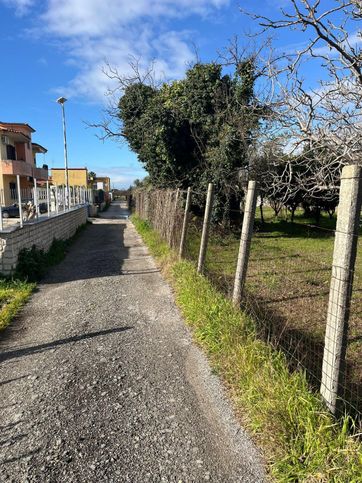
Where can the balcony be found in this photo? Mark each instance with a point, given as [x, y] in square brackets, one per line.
[12, 167]
[40, 174]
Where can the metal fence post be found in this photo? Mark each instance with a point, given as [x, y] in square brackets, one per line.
[344, 257]
[185, 223]
[245, 241]
[19, 200]
[205, 228]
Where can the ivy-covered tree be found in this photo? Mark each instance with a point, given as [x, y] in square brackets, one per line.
[194, 131]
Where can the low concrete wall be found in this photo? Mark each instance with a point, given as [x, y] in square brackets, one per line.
[40, 233]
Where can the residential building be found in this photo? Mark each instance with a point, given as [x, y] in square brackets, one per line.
[76, 176]
[18, 157]
[101, 183]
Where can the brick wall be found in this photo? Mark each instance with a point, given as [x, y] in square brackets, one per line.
[41, 234]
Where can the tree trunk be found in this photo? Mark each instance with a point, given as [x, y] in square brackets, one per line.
[261, 209]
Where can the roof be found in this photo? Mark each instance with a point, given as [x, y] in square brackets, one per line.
[17, 124]
[38, 148]
[69, 169]
[14, 131]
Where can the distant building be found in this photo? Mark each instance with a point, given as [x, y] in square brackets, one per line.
[18, 157]
[101, 183]
[76, 176]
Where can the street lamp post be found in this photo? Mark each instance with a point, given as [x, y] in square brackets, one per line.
[61, 101]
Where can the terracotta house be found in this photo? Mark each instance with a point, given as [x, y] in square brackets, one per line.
[18, 157]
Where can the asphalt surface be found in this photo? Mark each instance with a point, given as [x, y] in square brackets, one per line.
[100, 380]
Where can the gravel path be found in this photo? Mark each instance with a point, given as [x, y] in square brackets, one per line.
[100, 380]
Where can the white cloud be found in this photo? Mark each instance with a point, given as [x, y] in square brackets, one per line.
[121, 176]
[94, 31]
[100, 17]
[354, 40]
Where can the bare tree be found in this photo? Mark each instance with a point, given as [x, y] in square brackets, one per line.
[320, 128]
[110, 126]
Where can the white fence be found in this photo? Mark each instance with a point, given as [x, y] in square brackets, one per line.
[24, 205]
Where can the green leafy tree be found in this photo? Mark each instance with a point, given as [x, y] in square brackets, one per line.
[195, 131]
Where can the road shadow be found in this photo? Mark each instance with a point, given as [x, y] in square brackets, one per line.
[99, 250]
[26, 351]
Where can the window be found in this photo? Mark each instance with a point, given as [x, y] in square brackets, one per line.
[10, 152]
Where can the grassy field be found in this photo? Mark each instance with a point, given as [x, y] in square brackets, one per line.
[300, 439]
[287, 290]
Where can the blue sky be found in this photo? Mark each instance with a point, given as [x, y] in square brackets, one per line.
[58, 47]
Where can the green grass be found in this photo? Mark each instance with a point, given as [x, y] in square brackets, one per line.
[287, 287]
[300, 439]
[13, 295]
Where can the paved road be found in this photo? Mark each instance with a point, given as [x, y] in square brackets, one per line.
[100, 381]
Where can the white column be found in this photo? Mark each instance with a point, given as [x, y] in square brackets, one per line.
[19, 200]
[36, 199]
[48, 198]
[1, 210]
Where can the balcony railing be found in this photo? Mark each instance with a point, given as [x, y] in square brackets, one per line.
[40, 173]
[21, 168]
[12, 167]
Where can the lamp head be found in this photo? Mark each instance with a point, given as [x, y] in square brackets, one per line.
[61, 100]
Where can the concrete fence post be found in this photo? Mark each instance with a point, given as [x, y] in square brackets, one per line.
[185, 224]
[174, 216]
[205, 228]
[344, 257]
[245, 241]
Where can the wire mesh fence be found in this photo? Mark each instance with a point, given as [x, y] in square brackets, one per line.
[164, 210]
[287, 289]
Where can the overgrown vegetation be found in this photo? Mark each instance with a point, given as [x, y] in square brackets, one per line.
[33, 263]
[300, 439]
[195, 131]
